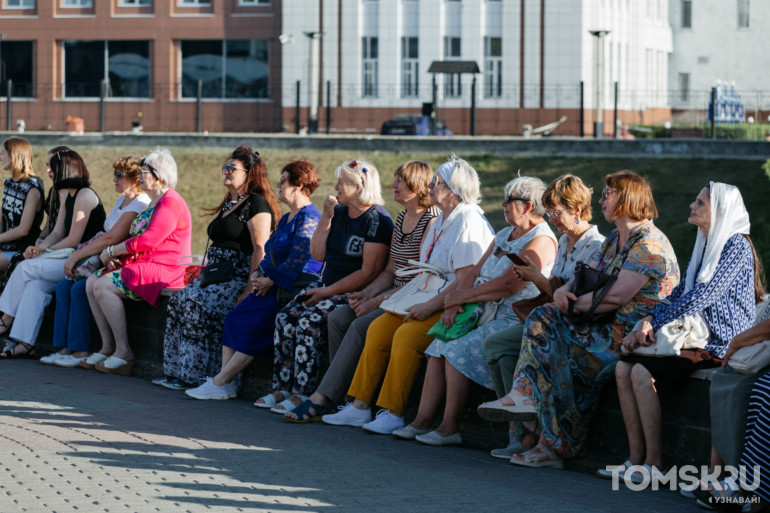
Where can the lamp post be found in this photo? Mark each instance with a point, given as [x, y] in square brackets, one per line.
[599, 79]
[2, 64]
[314, 72]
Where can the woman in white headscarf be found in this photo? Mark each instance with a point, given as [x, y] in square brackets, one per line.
[722, 284]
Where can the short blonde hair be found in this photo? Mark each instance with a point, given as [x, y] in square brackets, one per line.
[20, 152]
[634, 195]
[367, 176]
[417, 175]
[570, 191]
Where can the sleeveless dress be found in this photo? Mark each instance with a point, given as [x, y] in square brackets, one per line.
[466, 353]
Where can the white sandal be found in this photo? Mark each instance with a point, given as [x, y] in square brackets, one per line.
[269, 400]
[288, 405]
[496, 411]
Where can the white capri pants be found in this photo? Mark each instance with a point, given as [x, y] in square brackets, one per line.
[27, 294]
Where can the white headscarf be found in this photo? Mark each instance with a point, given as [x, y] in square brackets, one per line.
[728, 217]
[445, 171]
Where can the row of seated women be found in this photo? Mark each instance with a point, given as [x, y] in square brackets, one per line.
[547, 370]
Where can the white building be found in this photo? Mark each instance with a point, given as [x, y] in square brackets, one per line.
[532, 54]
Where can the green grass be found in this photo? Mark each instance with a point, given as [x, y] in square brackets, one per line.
[675, 183]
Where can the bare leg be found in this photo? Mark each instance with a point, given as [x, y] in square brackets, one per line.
[649, 411]
[110, 300]
[108, 341]
[457, 386]
[630, 411]
[716, 459]
[235, 364]
[227, 353]
[433, 392]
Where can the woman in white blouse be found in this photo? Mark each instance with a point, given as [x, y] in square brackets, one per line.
[568, 207]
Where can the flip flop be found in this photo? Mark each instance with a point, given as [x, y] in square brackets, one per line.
[268, 401]
[539, 456]
[304, 415]
[496, 411]
[287, 405]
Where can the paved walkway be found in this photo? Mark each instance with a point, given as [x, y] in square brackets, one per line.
[79, 441]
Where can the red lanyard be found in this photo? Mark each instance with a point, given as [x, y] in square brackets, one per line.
[433, 245]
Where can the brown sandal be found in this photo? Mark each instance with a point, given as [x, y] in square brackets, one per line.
[14, 352]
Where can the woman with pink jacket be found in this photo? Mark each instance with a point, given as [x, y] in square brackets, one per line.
[142, 266]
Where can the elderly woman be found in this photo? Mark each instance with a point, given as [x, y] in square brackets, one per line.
[249, 327]
[242, 223]
[719, 292]
[72, 322]
[22, 209]
[29, 289]
[558, 378]
[395, 344]
[568, 207]
[453, 365]
[348, 324]
[352, 239]
[142, 266]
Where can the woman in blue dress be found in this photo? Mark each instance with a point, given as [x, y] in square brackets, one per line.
[249, 326]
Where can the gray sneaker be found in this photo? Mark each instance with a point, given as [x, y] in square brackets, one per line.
[409, 432]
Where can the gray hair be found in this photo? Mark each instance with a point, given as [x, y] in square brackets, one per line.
[164, 165]
[463, 179]
[366, 174]
[529, 188]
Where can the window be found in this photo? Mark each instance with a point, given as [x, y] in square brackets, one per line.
[493, 67]
[409, 68]
[743, 13]
[684, 87]
[369, 66]
[193, 3]
[130, 3]
[16, 59]
[686, 13]
[19, 4]
[77, 3]
[234, 68]
[125, 65]
[253, 2]
[452, 82]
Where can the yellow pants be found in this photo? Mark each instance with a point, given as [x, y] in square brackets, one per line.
[394, 348]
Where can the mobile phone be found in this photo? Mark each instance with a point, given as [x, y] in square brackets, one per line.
[516, 259]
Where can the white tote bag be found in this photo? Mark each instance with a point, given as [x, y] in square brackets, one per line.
[690, 332]
[427, 283]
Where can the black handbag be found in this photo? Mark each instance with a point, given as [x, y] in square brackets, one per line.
[283, 295]
[590, 281]
[215, 273]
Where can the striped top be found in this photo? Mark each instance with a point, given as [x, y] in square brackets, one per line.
[755, 453]
[406, 246]
[726, 300]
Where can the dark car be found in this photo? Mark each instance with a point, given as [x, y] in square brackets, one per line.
[412, 124]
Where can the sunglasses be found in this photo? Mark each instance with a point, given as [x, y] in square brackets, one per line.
[118, 174]
[607, 191]
[229, 168]
[436, 181]
[508, 199]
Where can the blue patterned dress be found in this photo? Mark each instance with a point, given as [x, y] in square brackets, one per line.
[563, 367]
[466, 353]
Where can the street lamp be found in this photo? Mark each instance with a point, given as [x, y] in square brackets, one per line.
[599, 79]
[2, 64]
[314, 72]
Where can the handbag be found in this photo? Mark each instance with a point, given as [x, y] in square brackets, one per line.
[427, 282]
[751, 359]
[464, 322]
[87, 266]
[301, 282]
[523, 308]
[60, 253]
[590, 281]
[215, 273]
[690, 332]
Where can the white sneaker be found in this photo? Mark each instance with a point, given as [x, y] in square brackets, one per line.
[208, 390]
[67, 360]
[232, 390]
[348, 415]
[51, 358]
[385, 423]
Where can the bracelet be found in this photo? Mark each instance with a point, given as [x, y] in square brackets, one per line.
[109, 252]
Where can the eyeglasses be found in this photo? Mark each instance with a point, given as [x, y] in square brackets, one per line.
[118, 174]
[508, 199]
[150, 170]
[436, 181]
[229, 168]
[551, 215]
[607, 191]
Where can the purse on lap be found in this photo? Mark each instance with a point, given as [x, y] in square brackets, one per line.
[427, 283]
[690, 332]
[590, 281]
[301, 282]
[753, 359]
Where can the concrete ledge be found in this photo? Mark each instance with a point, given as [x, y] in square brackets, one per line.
[508, 145]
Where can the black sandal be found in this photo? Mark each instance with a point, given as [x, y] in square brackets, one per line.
[29, 352]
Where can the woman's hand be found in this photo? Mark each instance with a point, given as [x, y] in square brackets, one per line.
[642, 337]
[30, 252]
[112, 264]
[262, 284]
[419, 312]
[329, 203]
[316, 295]
[454, 299]
[356, 299]
[367, 306]
[527, 272]
[68, 265]
[448, 317]
[104, 256]
[560, 299]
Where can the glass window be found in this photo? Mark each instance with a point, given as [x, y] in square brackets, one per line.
[686, 13]
[77, 3]
[16, 64]
[253, 2]
[493, 67]
[369, 67]
[409, 67]
[192, 3]
[743, 13]
[684, 87]
[19, 4]
[135, 2]
[452, 47]
[453, 81]
[124, 64]
[236, 68]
